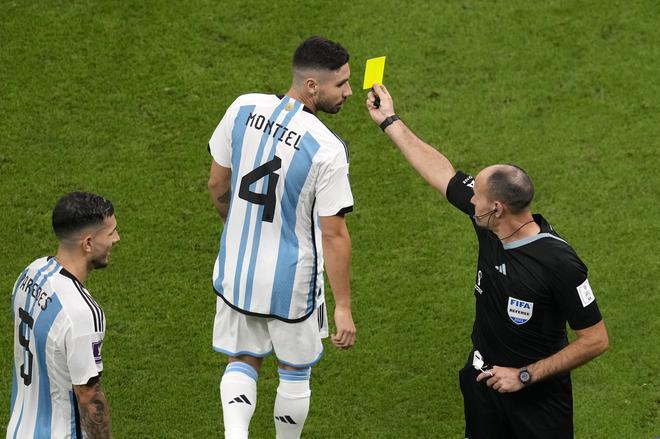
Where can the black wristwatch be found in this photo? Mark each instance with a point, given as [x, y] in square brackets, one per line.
[524, 376]
[389, 120]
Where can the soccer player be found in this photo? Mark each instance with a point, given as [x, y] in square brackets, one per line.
[279, 179]
[59, 328]
[529, 284]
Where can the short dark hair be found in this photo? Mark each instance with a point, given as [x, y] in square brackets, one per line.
[320, 53]
[78, 210]
[512, 186]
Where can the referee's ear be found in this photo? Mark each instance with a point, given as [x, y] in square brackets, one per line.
[499, 209]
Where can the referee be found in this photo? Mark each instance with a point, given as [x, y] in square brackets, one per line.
[529, 283]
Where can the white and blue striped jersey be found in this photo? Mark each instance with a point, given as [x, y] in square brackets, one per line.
[58, 332]
[287, 169]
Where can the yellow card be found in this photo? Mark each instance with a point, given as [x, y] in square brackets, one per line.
[373, 72]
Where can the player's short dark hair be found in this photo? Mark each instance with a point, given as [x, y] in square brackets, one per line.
[512, 186]
[320, 53]
[77, 210]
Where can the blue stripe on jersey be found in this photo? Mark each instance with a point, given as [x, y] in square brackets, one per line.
[41, 329]
[313, 286]
[40, 272]
[44, 280]
[248, 214]
[74, 431]
[287, 257]
[257, 229]
[18, 424]
[237, 136]
[14, 388]
[14, 383]
[312, 280]
[13, 294]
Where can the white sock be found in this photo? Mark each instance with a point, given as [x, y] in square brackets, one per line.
[238, 393]
[292, 403]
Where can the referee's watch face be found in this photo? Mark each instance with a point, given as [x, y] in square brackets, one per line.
[333, 89]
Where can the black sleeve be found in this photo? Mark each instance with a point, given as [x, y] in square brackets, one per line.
[460, 190]
[574, 295]
[344, 211]
[93, 380]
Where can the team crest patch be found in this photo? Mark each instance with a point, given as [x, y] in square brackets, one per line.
[519, 311]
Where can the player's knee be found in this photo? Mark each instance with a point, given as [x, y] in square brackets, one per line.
[294, 384]
[241, 371]
[254, 362]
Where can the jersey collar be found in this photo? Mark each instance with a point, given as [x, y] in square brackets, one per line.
[546, 232]
[67, 273]
[305, 108]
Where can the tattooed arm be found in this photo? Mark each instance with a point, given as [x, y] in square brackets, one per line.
[93, 408]
[220, 188]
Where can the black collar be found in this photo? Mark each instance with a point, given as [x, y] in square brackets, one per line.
[67, 273]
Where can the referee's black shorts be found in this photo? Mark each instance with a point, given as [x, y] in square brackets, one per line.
[542, 410]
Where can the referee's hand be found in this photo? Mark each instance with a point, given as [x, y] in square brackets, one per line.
[345, 336]
[502, 379]
[385, 107]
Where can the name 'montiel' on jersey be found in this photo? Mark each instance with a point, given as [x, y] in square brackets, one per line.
[58, 334]
[288, 169]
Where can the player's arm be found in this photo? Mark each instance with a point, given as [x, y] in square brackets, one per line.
[93, 408]
[433, 166]
[337, 255]
[589, 343]
[220, 188]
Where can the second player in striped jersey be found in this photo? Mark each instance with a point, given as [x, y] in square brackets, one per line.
[59, 329]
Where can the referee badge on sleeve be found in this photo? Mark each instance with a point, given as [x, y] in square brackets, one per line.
[585, 293]
[519, 311]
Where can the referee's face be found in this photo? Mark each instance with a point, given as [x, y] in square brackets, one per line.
[333, 89]
[103, 240]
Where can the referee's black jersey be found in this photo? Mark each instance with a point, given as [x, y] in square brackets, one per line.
[525, 290]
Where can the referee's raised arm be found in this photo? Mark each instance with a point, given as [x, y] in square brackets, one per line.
[432, 165]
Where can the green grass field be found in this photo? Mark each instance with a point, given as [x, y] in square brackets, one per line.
[121, 98]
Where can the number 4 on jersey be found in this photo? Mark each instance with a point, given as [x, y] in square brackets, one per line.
[268, 200]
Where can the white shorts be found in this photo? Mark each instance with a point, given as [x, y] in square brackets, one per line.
[295, 344]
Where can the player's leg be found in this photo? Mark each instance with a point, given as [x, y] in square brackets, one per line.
[292, 401]
[238, 393]
[297, 346]
[245, 340]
